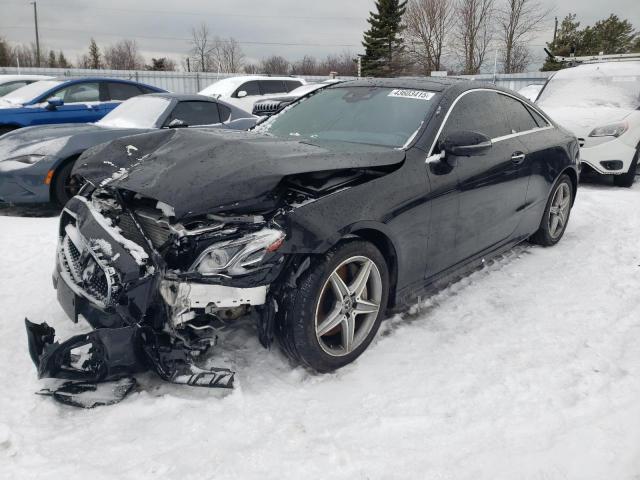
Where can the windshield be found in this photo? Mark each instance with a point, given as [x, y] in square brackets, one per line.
[370, 115]
[137, 112]
[30, 92]
[593, 88]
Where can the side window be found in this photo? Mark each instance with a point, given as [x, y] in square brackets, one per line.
[195, 113]
[480, 112]
[225, 113]
[146, 90]
[252, 88]
[292, 84]
[122, 91]
[517, 115]
[11, 86]
[540, 120]
[79, 93]
[272, 86]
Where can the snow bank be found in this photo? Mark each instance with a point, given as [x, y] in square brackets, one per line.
[527, 370]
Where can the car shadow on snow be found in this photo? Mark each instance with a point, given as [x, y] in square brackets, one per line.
[35, 210]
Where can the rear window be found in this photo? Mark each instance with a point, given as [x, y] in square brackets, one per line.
[122, 91]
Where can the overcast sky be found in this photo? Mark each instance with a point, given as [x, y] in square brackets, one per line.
[285, 27]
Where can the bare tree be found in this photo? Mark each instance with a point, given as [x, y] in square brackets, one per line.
[202, 49]
[427, 27]
[251, 68]
[275, 65]
[123, 55]
[228, 55]
[474, 32]
[517, 20]
[308, 65]
[344, 64]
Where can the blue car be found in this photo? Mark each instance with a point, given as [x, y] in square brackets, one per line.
[61, 100]
[36, 163]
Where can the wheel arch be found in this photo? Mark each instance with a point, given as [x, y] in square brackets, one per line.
[386, 246]
[573, 176]
[57, 167]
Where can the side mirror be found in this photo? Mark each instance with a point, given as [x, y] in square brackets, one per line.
[465, 144]
[54, 102]
[177, 123]
[242, 94]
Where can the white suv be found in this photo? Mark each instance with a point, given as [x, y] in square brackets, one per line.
[600, 104]
[244, 91]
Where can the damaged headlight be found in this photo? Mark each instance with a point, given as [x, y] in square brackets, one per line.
[235, 256]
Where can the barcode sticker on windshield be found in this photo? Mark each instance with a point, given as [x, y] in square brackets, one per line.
[415, 94]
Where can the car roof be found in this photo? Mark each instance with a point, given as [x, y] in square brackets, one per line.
[104, 79]
[13, 78]
[231, 83]
[628, 67]
[191, 97]
[433, 84]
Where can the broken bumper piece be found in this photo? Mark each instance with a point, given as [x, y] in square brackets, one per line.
[113, 355]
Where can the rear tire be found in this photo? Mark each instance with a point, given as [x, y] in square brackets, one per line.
[335, 312]
[556, 214]
[64, 187]
[626, 179]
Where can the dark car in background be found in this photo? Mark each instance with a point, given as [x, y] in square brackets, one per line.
[351, 204]
[36, 162]
[270, 106]
[62, 100]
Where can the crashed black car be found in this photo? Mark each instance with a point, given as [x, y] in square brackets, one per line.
[351, 204]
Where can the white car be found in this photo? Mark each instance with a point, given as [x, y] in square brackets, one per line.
[531, 92]
[244, 91]
[9, 83]
[600, 104]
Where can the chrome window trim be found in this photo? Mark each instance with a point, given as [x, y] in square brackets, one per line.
[497, 139]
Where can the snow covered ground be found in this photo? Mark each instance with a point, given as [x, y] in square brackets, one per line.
[528, 369]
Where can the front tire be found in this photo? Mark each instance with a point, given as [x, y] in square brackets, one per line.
[335, 311]
[64, 186]
[626, 179]
[556, 214]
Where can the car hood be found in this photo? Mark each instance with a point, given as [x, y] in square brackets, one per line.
[207, 171]
[582, 120]
[48, 139]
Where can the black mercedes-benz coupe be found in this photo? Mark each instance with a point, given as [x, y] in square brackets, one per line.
[348, 205]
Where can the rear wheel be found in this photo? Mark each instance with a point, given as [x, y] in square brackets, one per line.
[556, 214]
[627, 179]
[64, 185]
[336, 311]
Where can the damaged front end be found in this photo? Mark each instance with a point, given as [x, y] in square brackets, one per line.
[156, 290]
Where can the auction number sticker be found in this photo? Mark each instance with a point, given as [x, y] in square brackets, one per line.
[415, 94]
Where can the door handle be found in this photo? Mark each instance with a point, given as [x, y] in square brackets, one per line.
[518, 157]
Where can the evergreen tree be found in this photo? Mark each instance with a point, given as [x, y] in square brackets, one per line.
[383, 43]
[5, 53]
[62, 61]
[94, 55]
[610, 36]
[52, 61]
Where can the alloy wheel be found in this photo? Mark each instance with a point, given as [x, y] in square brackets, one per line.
[559, 211]
[348, 306]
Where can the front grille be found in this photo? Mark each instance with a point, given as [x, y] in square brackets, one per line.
[266, 108]
[86, 268]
